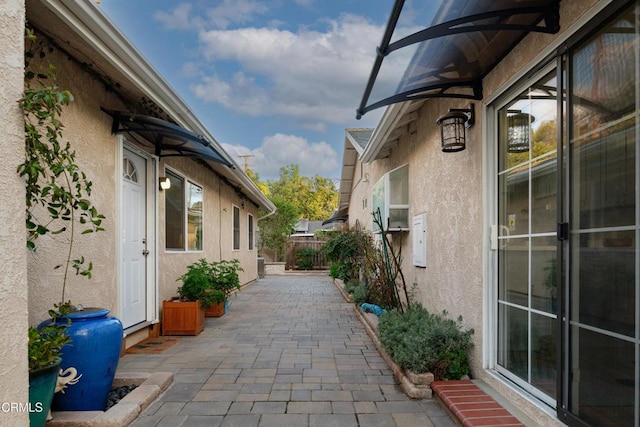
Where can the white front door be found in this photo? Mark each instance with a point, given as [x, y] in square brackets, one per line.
[134, 239]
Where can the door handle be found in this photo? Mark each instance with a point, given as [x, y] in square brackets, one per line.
[145, 252]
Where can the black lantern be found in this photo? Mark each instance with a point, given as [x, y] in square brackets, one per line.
[519, 128]
[453, 127]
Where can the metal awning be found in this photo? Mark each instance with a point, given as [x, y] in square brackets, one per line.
[167, 139]
[465, 40]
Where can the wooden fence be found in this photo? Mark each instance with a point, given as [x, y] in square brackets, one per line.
[293, 247]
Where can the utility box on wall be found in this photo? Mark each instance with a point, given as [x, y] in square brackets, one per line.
[419, 235]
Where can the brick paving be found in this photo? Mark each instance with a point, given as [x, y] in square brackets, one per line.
[290, 352]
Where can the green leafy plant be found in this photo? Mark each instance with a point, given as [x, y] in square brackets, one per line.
[305, 257]
[45, 344]
[345, 249]
[197, 284]
[339, 270]
[217, 297]
[423, 342]
[225, 276]
[358, 290]
[57, 190]
[204, 281]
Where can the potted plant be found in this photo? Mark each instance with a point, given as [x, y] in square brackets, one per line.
[58, 206]
[217, 307]
[185, 315]
[225, 277]
[44, 349]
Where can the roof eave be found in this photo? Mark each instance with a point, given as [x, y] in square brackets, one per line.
[392, 115]
[99, 32]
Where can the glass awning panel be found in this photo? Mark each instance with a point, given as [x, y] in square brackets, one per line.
[449, 58]
[166, 138]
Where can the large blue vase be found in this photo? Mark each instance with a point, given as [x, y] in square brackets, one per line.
[94, 351]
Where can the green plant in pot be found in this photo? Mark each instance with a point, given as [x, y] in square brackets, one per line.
[197, 284]
[58, 207]
[225, 276]
[45, 345]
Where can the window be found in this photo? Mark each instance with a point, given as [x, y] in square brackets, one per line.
[567, 274]
[391, 195]
[183, 214]
[236, 228]
[250, 231]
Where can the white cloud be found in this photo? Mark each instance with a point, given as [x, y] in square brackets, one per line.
[235, 12]
[178, 19]
[227, 13]
[313, 77]
[279, 150]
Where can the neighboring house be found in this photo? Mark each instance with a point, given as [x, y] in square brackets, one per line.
[306, 228]
[130, 129]
[151, 234]
[530, 233]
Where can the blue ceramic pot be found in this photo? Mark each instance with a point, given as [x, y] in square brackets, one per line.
[94, 351]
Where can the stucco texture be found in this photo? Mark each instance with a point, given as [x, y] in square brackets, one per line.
[13, 281]
[449, 189]
[98, 153]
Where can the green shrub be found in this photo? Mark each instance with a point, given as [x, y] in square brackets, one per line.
[359, 292]
[339, 270]
[346, 248]
[305, 258]
[423, 342]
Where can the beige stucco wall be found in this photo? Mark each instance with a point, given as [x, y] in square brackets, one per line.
[219, 198]
[449, 189]
[97, 151]
[89, 131]
[13, 280]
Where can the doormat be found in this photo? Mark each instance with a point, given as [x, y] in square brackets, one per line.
[153, 345]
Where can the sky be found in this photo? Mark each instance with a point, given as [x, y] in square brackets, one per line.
[277, 81]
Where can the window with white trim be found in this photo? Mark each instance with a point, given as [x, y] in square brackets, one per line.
[183, 214]
[391, 195]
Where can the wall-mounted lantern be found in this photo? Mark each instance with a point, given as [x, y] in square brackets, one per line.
[453, 127]
[164, 182]
[519, 131]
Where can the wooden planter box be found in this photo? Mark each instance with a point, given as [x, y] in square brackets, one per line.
[215, 310]
[182, 317]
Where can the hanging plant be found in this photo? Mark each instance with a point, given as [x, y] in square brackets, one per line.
[57, 190]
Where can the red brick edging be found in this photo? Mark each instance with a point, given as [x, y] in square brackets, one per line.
[472, 406]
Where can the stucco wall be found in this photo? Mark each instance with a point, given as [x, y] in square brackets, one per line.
[449, 189]
[89, 131]
[13, 281]
[219, 198]
[97, 151]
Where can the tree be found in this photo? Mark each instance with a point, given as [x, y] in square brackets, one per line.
[314, 198]
[275, 229]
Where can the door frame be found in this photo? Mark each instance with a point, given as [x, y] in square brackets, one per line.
[151, 314]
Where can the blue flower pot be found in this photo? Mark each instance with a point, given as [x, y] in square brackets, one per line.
[94, 351]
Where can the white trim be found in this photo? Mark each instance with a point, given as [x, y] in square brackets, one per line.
[151, 229]
[386, 125]
[186, 180]
[95, 28]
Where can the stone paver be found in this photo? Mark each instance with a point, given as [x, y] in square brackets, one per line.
[290, 351]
